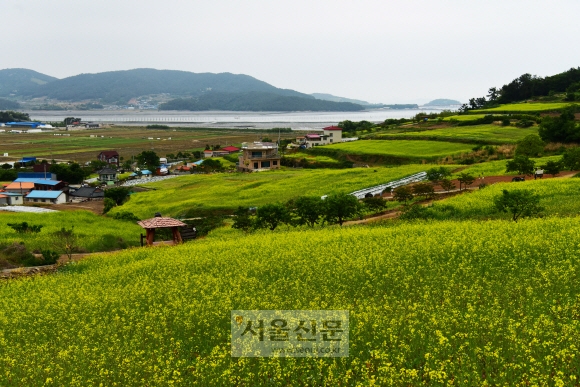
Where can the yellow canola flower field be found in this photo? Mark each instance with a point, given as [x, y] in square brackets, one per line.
[436, 303]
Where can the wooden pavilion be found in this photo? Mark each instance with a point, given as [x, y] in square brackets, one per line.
[150, 225]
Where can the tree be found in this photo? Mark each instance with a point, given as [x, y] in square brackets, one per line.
[148, 158]
[374, 204]
[423, 189]
[552, 167]
[447, 185]
[519, 202]
[522, 165]
[437, 174]
[308, 210]
[65, 241]
[340, 207]
[6, 166]
[271, 215]
[560, 129]
[109, 204]
[243, 220]
[97, 165]
[466, 179]
[571, 159]
[211, 165]
[531, 146]
[403, 194]
[72, 173]
[118, 194]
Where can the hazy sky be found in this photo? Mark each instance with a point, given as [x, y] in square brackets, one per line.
[378, 50]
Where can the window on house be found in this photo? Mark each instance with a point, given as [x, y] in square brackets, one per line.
[256, 154]
[265, 164]
[275, 162]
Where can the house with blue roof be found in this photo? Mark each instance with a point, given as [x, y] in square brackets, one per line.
[54, 197]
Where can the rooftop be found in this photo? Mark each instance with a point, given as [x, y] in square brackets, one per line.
[37, 181]
[20, 185]
[44, 194]
[160, 222]
[332, 128]
[259, 145]
[107, 171]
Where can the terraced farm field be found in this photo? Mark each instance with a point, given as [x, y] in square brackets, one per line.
[498, 167]
[502, 297]
[402, 148]
[228, 191]
[96, 233]
[524, 107]
[478, 133]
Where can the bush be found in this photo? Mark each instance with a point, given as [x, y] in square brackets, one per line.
[125, 215]
[49, 257]
[24, 227]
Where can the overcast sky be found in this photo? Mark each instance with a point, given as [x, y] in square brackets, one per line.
[390, 51]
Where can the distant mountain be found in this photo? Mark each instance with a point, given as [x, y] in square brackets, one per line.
[442, 102]
[256, 101]
[121, 86]
[21, 81]
[333, 98]
[6, 104]
[191, 91]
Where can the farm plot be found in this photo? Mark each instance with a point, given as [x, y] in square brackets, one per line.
[501, 296]
[524, 107]
[480, 133]
[228, 191]
[401, 148]
[96, 233]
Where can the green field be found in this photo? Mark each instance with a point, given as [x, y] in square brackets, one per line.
[228, 191]
[559, 197]
[498, 167]
[96, 233]
[311, 158]
[524, 107]
[441, 303]
[464, 117]
[478, 133]
[401, 148]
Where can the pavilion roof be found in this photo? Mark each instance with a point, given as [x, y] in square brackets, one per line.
[160, 222]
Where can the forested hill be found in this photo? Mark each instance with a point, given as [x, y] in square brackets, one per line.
[121, 86]
[21, 81]
[256, 101]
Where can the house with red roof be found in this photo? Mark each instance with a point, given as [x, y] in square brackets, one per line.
[109, 157]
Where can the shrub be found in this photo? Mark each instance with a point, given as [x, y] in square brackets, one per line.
[24, 227]
[125, 215]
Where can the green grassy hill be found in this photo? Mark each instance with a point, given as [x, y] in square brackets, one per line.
[478, 133]
[228, 191]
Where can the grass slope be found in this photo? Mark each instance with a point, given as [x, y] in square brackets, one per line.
[438, 303]
[401, 148]
[478, 133]
[524, 107]
[96, 233]
[228, 191]
[498, 167]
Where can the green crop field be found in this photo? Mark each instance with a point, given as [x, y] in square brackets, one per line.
[228, 191]
[401, 148]
[96, 233]
[480, 133]
[441, 303]
[311, 157]
[498, 167]
[559, 197]
[524, 107]
[464, 117]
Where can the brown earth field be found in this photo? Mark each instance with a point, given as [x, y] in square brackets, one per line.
[128, 141]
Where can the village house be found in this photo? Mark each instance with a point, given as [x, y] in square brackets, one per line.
[109, 157]
[88, 193]
[329, 135]
[107, 175]
[259, 156]
[220, 152]
[19, 187]
[13, 198]
[54, 197]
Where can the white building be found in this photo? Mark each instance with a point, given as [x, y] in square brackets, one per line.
[330, 135]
